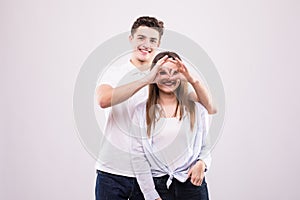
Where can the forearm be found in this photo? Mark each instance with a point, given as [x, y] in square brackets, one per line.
[108, 96]
[112, 96]
[122, 93]
[203, 96]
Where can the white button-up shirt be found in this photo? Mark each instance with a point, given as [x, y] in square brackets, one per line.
[171, 149]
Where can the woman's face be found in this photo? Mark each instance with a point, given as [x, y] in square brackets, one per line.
[168, 78]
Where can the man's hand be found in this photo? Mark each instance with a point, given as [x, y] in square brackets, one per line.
[151, 77]
[196, 173]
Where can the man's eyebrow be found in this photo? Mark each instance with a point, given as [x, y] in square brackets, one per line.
[152, 38]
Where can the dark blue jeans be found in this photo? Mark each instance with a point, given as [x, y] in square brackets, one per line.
[115, 187]
[180, 191]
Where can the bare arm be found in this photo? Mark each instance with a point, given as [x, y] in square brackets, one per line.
[201, 95]
[108, 96]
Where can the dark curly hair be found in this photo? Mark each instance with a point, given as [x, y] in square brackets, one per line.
[149, 22]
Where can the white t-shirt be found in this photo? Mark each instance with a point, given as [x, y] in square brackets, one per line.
[114, 154]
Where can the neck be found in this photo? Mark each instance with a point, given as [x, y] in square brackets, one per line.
[167, 99]
[141, 65]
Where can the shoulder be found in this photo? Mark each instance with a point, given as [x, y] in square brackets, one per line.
[113, 74]
[202, 116]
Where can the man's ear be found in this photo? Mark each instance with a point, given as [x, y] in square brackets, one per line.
[130, 38]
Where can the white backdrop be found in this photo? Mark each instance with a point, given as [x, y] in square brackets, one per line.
[255, 46]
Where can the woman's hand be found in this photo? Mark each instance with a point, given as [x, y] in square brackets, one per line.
[183, 70]
[196, 173]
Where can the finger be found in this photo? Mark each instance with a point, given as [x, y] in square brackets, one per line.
[200, 181]
[179, 61]
[162, 60]
[181, 69]
[195, 182]
[184, 67]
[201, 178]
[181, 64]
[193, 179]
[158, 65]
[190, 172]
[155, 68]
[172, 61]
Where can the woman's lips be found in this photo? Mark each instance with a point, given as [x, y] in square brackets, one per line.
[168, 82]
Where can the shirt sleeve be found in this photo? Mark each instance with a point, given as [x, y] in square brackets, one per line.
[111, 76]
[203, 122]
[190, 89]
[139, 160]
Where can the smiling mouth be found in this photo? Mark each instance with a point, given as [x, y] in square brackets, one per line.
[168, 82]
[145, 50]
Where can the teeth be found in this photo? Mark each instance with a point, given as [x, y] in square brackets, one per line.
[144, 50]
[168, 83]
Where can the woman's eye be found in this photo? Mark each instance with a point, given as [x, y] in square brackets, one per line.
[162, 73]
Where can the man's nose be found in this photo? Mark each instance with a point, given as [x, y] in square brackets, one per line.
[147, 44]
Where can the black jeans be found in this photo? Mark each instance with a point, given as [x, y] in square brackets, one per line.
[115, 187]
[180, 191]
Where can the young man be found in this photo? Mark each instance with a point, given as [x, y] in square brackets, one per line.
[116, 178]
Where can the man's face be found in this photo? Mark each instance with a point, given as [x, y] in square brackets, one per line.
[144, 43]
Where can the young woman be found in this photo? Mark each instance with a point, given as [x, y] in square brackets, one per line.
[169, 150]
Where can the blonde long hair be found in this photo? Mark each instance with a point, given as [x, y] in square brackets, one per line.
[184, 103]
